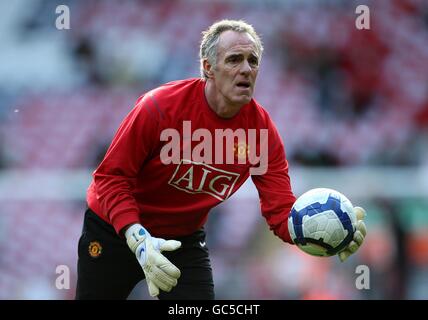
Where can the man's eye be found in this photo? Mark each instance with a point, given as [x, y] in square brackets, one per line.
[253, 62]
[233, 59]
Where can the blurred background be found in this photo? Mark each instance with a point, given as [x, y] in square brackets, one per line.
[351, 106]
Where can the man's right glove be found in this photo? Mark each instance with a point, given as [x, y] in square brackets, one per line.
[160, 272]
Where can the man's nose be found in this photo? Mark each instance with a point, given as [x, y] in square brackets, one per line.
[245, 67]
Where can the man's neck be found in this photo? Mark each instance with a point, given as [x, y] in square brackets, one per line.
[217, 102]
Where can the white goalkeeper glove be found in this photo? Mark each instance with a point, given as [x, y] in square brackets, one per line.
[359, 235]
[160, 272]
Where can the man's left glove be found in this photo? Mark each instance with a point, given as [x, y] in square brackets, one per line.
[160, 272]
[359, 235]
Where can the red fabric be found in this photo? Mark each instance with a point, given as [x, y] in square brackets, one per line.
[132, 184]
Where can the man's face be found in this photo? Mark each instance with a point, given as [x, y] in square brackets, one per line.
[236, 69]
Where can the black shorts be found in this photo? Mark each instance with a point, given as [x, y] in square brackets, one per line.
[107, 269]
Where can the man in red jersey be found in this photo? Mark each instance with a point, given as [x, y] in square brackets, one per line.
[184, 148]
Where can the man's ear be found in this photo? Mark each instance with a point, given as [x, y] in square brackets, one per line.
[208, 69]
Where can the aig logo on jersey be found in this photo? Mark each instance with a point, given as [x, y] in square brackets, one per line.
[196, 177]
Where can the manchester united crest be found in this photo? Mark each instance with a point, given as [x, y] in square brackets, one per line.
[95, 249]
[241, 150]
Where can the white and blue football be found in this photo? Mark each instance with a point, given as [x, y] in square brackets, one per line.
[322, 222]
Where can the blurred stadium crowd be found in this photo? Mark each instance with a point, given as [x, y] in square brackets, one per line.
[340, 97]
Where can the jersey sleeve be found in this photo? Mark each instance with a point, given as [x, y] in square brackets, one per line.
[116, 176]
[274, 187]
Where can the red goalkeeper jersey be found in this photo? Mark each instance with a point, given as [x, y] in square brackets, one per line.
[135, 182]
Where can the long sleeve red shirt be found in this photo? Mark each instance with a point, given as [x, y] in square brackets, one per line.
[133, 184]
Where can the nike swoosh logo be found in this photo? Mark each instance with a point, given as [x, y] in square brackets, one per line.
[202, 244]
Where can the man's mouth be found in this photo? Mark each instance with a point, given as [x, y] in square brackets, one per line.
[243, 84]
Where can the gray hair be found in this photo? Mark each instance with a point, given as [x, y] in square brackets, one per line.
[211, 36]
